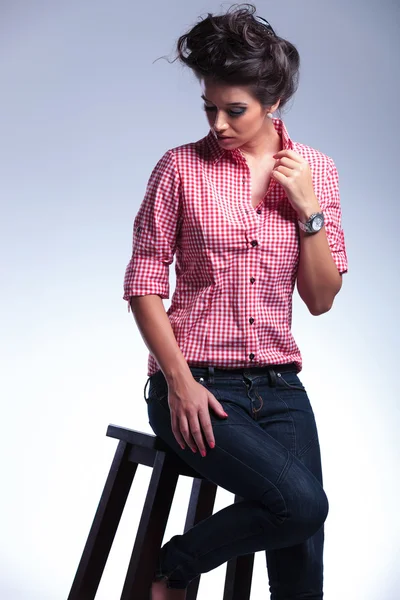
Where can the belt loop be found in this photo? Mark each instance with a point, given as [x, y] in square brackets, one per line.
[211, 374]
[272, 377]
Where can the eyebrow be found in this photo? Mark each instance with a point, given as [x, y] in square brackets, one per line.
[229, 103]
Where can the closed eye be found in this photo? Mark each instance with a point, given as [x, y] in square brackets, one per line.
[232, 113]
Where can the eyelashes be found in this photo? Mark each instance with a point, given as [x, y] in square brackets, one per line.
[232, 113]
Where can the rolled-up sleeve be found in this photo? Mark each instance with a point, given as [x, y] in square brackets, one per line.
[155, 232]
[330, 205]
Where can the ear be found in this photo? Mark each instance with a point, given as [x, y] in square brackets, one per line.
[275, 106]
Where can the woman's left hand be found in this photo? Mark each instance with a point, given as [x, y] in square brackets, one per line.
[293, 172]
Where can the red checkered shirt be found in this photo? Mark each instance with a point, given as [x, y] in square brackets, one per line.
[236, 265]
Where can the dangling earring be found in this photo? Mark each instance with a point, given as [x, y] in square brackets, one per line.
[269, 115]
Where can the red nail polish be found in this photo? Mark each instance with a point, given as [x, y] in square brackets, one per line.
[194, 449]
[212, 445]
[203, 453]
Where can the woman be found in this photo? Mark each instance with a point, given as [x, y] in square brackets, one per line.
[248, 213]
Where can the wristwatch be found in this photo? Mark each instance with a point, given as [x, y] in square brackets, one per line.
[313, 224]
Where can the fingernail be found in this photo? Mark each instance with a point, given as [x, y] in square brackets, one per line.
[203, 453]
[212, 445]
[226, 414]
[183, 447]
[194, 449]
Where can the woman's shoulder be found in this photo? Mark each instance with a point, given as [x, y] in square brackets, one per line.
[185, 158]
[202, 148]
[316, 158]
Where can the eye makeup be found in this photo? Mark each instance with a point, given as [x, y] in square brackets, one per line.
[232, 113]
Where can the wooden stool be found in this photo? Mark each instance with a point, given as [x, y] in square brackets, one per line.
[136, 448]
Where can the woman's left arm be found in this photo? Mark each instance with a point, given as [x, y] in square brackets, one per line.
[318, 278]
[322, 254]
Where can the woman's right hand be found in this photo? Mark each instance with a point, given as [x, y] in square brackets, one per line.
[189, 404]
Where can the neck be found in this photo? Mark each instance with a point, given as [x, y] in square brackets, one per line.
[264, 144]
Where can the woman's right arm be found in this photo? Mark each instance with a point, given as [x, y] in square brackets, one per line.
[188, 400]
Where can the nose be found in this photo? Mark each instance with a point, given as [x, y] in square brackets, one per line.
[219, 124]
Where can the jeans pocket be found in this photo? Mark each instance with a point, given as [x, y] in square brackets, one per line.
[158, 388]
[289, 380]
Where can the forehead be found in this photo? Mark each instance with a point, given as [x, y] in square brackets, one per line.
[221, 93]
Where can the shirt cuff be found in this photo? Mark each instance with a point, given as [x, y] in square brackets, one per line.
[146, 276]
[340, 260]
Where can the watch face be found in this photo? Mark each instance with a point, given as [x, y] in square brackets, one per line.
[317, 223]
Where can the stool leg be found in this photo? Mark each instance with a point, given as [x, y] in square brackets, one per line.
[239, 573]
[201, 505]
[151, 528]
[104, 526]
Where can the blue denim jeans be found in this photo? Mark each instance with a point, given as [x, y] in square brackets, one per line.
[267, 452]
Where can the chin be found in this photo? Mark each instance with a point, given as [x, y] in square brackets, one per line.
[231, 143]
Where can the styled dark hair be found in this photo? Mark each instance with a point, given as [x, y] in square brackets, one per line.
[238, 49]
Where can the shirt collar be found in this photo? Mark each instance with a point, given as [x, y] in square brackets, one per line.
[216, 152]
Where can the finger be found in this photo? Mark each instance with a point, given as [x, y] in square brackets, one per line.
[216, 406]
[289, 153]
[182, 426]
[280, 177]
[276, 175]
[284, 171]
[206, 426]
[196, 432]
[176, 431]
[287, 162]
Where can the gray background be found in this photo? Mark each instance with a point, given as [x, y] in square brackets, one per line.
[85, 114]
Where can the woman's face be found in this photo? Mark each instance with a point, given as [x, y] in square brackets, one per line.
[233, 112]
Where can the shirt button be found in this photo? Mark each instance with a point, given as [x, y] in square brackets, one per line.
[251, 356]
[251, 320]
[254, 243]
[259, 211]
[252, 280]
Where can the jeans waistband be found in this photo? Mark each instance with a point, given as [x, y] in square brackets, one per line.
[211, 373]
[267, 370]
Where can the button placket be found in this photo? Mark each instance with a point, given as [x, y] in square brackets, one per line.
[251, 304]
[252, 221]
[248, 209]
